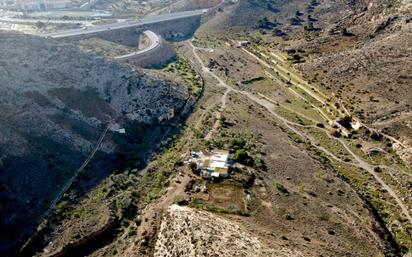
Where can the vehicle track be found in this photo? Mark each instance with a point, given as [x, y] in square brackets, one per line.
[222, 98]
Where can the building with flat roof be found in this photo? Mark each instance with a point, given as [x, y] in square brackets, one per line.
[242, 43]
[211, 165]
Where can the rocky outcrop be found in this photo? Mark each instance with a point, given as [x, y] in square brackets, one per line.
[186, 232]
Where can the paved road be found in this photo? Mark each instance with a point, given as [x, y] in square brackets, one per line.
[125, 24]
[154, 42]
[18, 20]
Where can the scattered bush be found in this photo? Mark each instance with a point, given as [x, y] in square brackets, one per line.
[180, 200]
[375, 136]
[243, 157]
[377, 169]
[131, 232]
[280, 187]
[346, 122]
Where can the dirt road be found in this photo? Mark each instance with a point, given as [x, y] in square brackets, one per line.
[220, 84]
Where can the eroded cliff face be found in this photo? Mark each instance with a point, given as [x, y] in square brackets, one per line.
[56, 102]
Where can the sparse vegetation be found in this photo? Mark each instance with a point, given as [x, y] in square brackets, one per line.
[280, 187]
[252, 80]
[182, 68]
[198, 204]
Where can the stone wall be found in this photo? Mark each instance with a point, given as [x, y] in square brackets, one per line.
[176, 30]
[126, 36]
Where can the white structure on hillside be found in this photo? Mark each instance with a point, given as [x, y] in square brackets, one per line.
[242, 43]
[211, 165]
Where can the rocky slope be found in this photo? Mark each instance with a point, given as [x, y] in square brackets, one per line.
[55, 103]
[369, 66]
[189, 232]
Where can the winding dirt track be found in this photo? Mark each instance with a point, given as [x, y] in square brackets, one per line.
[359, 162]
[221, 84]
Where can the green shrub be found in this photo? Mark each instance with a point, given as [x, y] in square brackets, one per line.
[243, 157]
[375, 136]
[280, 187]
[131, 232]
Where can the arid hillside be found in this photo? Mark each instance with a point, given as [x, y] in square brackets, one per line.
[207, 234]
[365, 58]
[356, 54]
[56, 103]
[298, 145]
[359, 51]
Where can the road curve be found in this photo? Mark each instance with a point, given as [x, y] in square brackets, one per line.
[154, 43]
[125, 24]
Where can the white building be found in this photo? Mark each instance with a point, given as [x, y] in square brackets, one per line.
[212, 165]
[242, 43]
